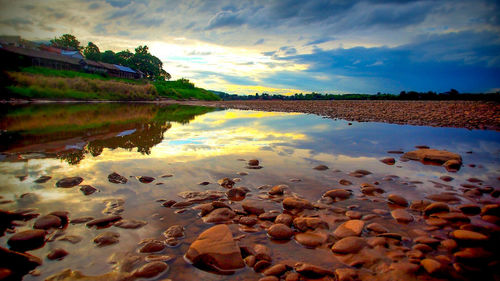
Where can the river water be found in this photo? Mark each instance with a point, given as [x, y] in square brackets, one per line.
[199, 144]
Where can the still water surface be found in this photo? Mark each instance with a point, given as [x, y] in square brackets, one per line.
[197, 144]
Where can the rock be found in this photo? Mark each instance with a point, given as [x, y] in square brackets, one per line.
[130, 224]
[376, 227]
[292, 203]
[443, 197]
[401, 216]
[268, 216]
[87, 189]
[168, 203]
[269, 278]
[446, 178]
[280, 231]
[81, 220]
[253, 207]
[182, 204]
[175, 231]
[106, 238]
[57, 254]
[436, 207]
[261, 265]
[278, 189]
[27, 240]
[466, 235]
[253, 162]
[146, 179]
[404, 267]
[73, 239]
[220, 215]
[200, 196]
[491, 209]
[152, 246]
[321, 168]
[15, 265]
[310, 239]
[226, 182]
[151, 269]
[43, 179]
[311, 270]
[305, 223]
[369, 189]
[436, 222]
[449, 244]
[344, 182]
[116, 178]
[276, 270]
[284, 219]
[419, 205]
[216, 248]
[248, 221]
[237, 193]
[292, 276]
[340, 194]
[105, 221]
[426, 240]
[48, 221]
[398, 200]
[163, 258]
[432, 155]
[349, 228]
[388, 161]
[431, 266]
[69, 182]
[349, 245]
[346, 274]
[473, 255]
[452, 165]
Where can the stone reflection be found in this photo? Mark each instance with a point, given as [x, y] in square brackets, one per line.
[71, 132]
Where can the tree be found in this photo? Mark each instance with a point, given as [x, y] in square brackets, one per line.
[124, 57]
[67, 41]
[109, 57]
[151, 66]
[92, 52]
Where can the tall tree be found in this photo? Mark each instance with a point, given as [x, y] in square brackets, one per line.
[125, 58]
[66, 41]
[150, 65]
[92, 52]
[109, 57]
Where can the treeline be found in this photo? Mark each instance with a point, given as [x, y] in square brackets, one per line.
[141, 59]
[411, 95]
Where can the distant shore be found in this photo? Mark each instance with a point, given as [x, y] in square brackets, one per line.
[483, 115]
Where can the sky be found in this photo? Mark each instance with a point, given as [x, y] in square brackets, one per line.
[288, 46]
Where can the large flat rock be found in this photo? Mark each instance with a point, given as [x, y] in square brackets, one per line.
[216, 248]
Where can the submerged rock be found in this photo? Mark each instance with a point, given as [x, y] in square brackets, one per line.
[349, 228]
[349, 245]
[43, 179]
[292, 203]
[199, 196]
[310, 239]
[130, 224]
[146, 179]
[57, 254]
[216, 248]
[27, 240]
[402, 216]
[280, 231]
[106, 238]
[48, 221]
[340, 194]
[219, 215]
[432, 155]
[321, 168]
[116, 178]
[69, 182]
[87, 189]
[151, 269]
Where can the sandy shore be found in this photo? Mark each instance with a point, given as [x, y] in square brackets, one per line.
[460, 114]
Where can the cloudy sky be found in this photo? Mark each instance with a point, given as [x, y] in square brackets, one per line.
[288, 46]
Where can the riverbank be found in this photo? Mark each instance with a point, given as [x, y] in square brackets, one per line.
[459, 114]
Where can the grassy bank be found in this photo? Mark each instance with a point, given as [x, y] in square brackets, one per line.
[45, 83]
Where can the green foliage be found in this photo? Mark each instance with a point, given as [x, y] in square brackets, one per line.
[109, 57]
[183, 89]
[92, 52]
[66, 41]
[71, 74]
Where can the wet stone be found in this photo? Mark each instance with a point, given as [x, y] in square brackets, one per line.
[305, 223]
[146, 179]
[292, 203]
[261, 265]
[216, 248]
[249, 221]
[162, 258]
[349, 245]
[310, 239]
[130, 224]
[388, 161]
[344, 182]
[349, 228]
[151, 269]
[446, 178]
[106, 238]
[269, 278]
[276, 270]
[285, 219]
[432, 155]
[73, 239]
[237, 193]
[311, 270]
[431, 266]
[346, 274]
[87, 189]
[338, 194]
[443, 197]
[103, 222]
[200, 196]
[219, 215]
[466, 235]
[48, 221]
[57, 254]
[43, 179]
[253, 162]
[268, 216]
[175, 231]
[401, 216]
[27, 240]
[204, 183]
[116, 178]
[280, 232]
[152, 246]
[278, 189]
[321, 168]
[168, 203]
[69, 182]
[376, 227]
[436, 207]
[397, 199]
[253, 207]
[81, 220]
[449, 244]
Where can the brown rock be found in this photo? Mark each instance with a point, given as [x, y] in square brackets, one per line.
[152, 246]
[349, 228]
[436, 207]
[253, 207]
[216, 248]
[249, 221]
[116, 178]
[397, 199]
[269, 278]
[175, 231]
[237, 193]
[311, 270]
[431, 266]
[280, 231]
[354, 215]
[446, 178]
[87, 189]
[310, 239]
[146, 179]
[69, 182]
[338, 194]
[376, 227]
[321, 168]
[401, 216]
[27, 240]
[130, 224]
[219, 215]
[466, 235]
[292, 203]
[43, 179]
[48, 221]
[432, 155]
[449, 244]
[305, 223]
[261, 265]
[57, 254]
[491, 209]
[344, 182]
[284, 219]
[253, 162]
[276, 270]
[277, 189]
[106, 238]
[388, 161]
[151, 269]
[349, 245]
[226, 182]
[452, 165]
[105, 221]
[346, 274]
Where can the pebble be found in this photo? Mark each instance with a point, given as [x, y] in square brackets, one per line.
[284, 219]
[431, 266]
[349, 245]
[152, 246]
[398, 200]
[48, 221]
[146, 179]
[376, 227]
[249, 221]
[106, 238]
[116, 178]
[280, 231]
[276, 270]
[388, 161]
[253, 207]
[321, 168]
[219, 215]
[69, 182]
[344, 182]
[311, 270]
[466, 235]
[310, 239]
[130, 224]
[401, 216]
[57, 254]
[27, 240]
[292, 203]
[436, 207]
[103, 222]
[151, 269]
[349, 228]
[174, 231]
[87, 189]
[163, 258]
[43, 179]
[341, 194]
[278, 189]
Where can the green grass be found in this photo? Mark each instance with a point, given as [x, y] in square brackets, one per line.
[72, 74]
[183, 89]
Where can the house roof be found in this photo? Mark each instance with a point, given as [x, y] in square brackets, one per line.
[39, 54]
[124, 68]
[108, 66]
[93, 63]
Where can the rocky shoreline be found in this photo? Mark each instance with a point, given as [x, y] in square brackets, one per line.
[460, 114]
[360, 232]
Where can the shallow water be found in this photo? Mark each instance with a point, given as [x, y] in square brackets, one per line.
[196, 144]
